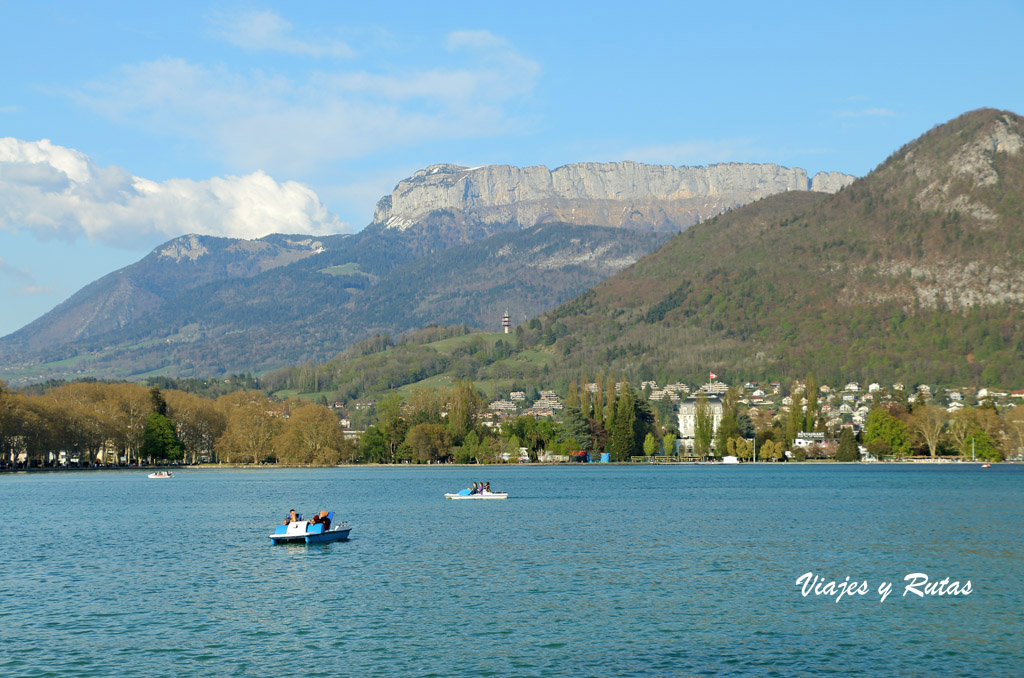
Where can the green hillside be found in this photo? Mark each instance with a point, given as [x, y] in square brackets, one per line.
[434, 356]
[911, 273]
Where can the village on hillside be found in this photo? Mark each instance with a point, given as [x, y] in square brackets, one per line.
[839, 407]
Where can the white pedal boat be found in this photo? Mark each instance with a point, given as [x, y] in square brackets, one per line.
[161, 474]
[482, 495]
[302, 532]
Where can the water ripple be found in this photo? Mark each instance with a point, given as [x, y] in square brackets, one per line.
[607, 571]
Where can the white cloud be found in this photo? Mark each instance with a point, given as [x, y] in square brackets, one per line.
[298, 125]
[59, 192]
[477, 39]
[268, 31]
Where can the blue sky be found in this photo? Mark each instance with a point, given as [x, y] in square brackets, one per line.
[240, 119]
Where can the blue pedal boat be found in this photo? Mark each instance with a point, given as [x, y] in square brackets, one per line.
[301, 532]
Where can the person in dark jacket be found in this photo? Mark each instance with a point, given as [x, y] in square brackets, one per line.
[321, 519]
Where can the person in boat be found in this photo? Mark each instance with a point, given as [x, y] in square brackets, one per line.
[292, 517]
[487, 487]
[321, 519]
[474, 489]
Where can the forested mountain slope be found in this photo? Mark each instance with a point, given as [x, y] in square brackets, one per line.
[376, 281]
[119, 298]
[913, 272]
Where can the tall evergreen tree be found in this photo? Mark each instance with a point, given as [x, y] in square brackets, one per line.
[159, 404]
[811, 389]
[609, 403]
[643, 419]
[573, 399]
[574, 430]
[727, 428]
[795, 420]
[730, 402]
[745, 425]
[159, 439]
[847, 446]
[620, 445]
[703, 426]
[596, 401]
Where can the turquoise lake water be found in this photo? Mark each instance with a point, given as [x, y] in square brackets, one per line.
[596, 571]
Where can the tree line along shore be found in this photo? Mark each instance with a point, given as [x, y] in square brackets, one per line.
[88, 424]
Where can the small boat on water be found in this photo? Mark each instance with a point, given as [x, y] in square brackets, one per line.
[986, 465]
[301, 531]
[161, 474]
[466, 494]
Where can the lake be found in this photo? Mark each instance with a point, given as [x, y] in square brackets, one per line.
[598, 570]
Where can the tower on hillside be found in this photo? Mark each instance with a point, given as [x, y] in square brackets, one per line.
[506, 323]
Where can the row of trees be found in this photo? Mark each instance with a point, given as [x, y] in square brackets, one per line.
[89, 423]
[445, 424]
[128, 423]
[86, 423]
[978, 432]
[435, 425]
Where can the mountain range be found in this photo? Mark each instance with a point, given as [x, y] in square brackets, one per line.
[448, 245]
[629, 194]
[911, 273]
[914, 274]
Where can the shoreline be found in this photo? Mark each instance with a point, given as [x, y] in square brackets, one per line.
[270, 467]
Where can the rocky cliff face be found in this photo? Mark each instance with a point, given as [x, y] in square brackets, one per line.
[963, 183]
[620, 194]
[830, 182]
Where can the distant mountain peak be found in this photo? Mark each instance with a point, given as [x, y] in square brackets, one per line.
[441, 168]
[957, 166]
[186, 247]
[619, 194]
